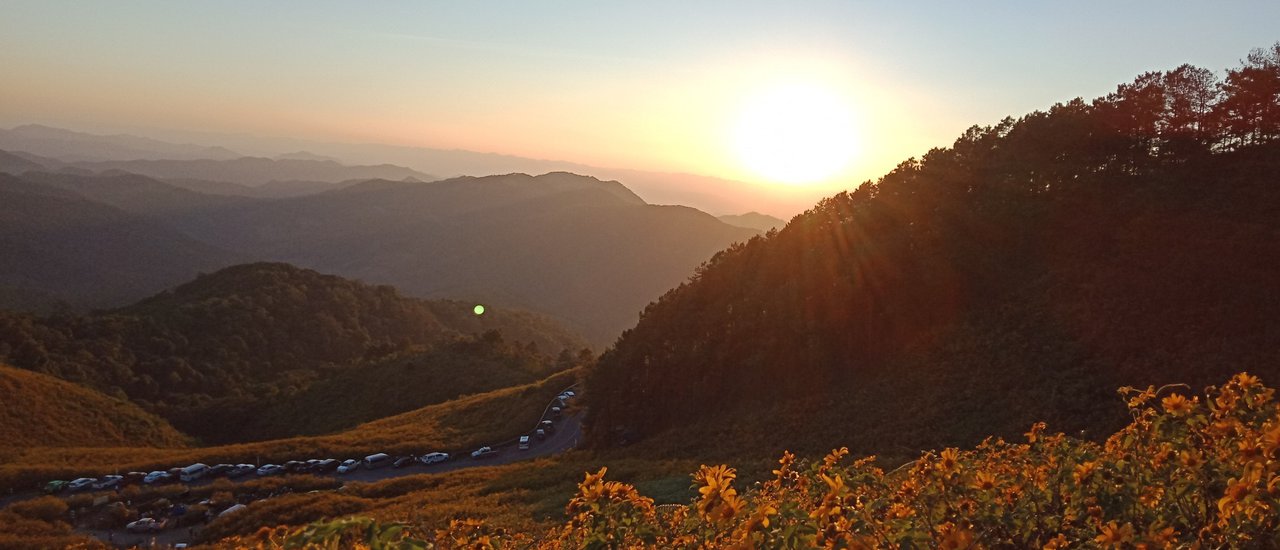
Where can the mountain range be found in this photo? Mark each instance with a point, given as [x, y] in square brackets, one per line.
[587, 251]
[710, 194]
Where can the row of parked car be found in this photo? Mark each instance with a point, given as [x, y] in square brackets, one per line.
[198, 471]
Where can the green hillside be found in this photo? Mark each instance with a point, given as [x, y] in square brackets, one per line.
[232, 344]
[37, 410]
[1019, 275]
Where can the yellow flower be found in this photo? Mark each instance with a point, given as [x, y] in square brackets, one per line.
[719, 499]
[1177, 405]
[950, 460]
[1271, 441]
[1034, 434]
[1115, 536]
[1192, 459]
[984, 481]
[1246, 380]
[1161, 537]
[899, 510]
[953, 537]
[1084, 471]
[1057, 543]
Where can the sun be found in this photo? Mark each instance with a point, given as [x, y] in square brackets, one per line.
[795, 133]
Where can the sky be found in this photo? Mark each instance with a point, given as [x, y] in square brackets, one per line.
[654, 85]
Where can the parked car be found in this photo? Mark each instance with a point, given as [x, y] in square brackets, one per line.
[403, 461]
[326, 465]
[556, 412]
[313, 464]
[240, 470]
[81, 483]
[157, 477]
[540, 434]
[483, 452]
[569, 393]
[145, 525]
[349, 465]
[55, 486]
[270, 470]
[133, 478]
[548, 426]
[218, 470]
[377, 460]
[193, 472]
[107, 482]
[524, 443]
[295, 466]
[231, 510]
[432, 458]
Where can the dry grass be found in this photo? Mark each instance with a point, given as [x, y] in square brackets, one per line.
[40, 410]
[459, 424]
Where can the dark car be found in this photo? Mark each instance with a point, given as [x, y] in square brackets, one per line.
[133, 478]
[327, 465]
[240, 470]
[403, 461]
[218, 470]
[296, 466]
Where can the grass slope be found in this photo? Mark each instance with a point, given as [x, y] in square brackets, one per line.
[454, 426]
[40, 410]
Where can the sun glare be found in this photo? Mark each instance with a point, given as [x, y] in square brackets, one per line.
[795, 133]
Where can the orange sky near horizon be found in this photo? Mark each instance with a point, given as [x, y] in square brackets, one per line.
[658, 86]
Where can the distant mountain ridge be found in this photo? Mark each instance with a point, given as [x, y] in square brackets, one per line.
[55, 242]
[256, 171]
[753, 220]
[72, 146]
[707, 193]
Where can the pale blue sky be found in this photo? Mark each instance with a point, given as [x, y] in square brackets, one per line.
[647, 85]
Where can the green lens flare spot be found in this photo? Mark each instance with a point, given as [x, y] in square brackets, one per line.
[479, 309]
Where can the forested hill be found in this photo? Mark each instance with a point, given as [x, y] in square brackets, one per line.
[245, 337]
[1022, 274]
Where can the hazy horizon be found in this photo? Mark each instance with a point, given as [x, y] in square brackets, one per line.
[710, 90]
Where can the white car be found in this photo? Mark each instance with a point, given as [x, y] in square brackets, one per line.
[81, 484]
[432, 458]
[108, 482]
[270, 470]
[158, 476]
[483, 452]
[145, 525]
[349, 465]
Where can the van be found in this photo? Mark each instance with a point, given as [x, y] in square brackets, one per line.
[524, 443]
[192, 472]
[377, 461]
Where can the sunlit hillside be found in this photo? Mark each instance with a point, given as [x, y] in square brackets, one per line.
[1015, 276]
[38, 410]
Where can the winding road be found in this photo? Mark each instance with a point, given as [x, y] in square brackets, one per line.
[566, 436]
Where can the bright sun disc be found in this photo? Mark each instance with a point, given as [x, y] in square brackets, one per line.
[795, 133]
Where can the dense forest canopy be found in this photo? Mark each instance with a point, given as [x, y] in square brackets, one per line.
[1009, 278]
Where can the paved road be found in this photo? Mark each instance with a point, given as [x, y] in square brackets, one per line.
[568, 432]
